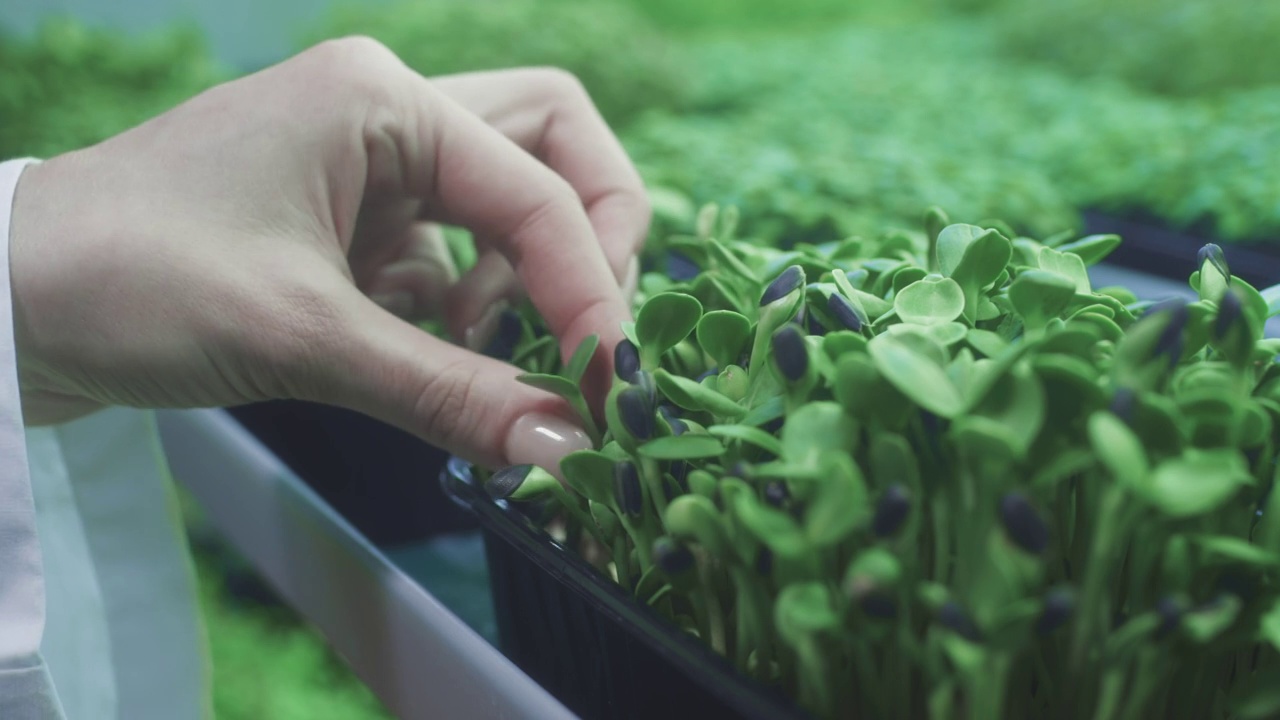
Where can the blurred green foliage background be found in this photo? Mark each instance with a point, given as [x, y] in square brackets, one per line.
[818, 118]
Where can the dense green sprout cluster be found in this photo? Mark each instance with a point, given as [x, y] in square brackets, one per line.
[626, 65]
[1175, 47]
[71, 86]
[939, 474]
[854, 130]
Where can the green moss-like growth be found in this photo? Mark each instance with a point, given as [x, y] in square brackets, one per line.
[625, 64]
[70, 86]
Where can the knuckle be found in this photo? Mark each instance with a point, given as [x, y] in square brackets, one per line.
[445, 407]
[357, 64]
[562, 84]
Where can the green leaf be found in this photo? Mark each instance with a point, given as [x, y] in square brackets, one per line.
[1017, 401]
[1255, 306]
[1039, 295]
[1067, 265]
[952, 242]
[590, 474]
[725, 257]
[526, 357]
[840, 504]
[629, 332]
[682, 447]
[577, 365]
[815, 429]
[983, 261]
[696, 517]
[723, 334]
[1119, 450]
[663, 321]
[690, 395]
[842, 342]
[1198, 482]
[750, 435]
[867, 396]
[774, 528]
[554, 384]
[1236, 551]
[986, 342]
[916, 376]
[907, 275]
[933, 300]
[1092, 249]
[1270, 626]
[804, 609]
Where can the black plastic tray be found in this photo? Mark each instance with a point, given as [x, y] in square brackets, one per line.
[587, 641]
[370, 472]
[1156, 248]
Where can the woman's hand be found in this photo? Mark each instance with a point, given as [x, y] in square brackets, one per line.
[271, 237]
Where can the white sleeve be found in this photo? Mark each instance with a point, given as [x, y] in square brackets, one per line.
[26, 691]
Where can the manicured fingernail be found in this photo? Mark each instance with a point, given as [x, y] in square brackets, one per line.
[477, 337]
[631, 279]
[542, 440]
[396, 303]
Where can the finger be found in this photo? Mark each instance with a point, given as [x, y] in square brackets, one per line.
[472, 304]
[463, 402]
[548, 113]
[468, 174]
[415, 285]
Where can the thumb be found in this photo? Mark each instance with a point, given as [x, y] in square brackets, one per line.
[465, 403]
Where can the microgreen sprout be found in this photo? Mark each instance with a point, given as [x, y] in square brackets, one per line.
[941, 475]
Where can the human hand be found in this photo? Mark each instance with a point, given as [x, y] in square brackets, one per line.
[226, 252]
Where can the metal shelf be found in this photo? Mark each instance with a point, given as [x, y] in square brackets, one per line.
[415, 654]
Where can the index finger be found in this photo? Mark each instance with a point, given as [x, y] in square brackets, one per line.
[469, 174]
[549, 113]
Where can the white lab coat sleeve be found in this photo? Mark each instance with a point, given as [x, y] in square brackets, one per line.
[26, 689]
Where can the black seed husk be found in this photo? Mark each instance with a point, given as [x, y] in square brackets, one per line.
[1213, 253]
[626, 360]
[506, 481]
[891, 510]
[636, 413]
[645, 382]
[790, 353]
[1059, 604]
[784, 284]
[1023, 524]
[671, 557]
[954, 618]
[845, 312]
[626, 488]
[1170, 612]
[1170, 342]
[681, 268]
[776, 493]
[764, 561]
[1229, 311]
[510, 328]
[879, 604]
[1123, 404]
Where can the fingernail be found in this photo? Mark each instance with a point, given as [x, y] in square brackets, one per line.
[542, 440]
[477, 337]
[631, 279]
[396, 303]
